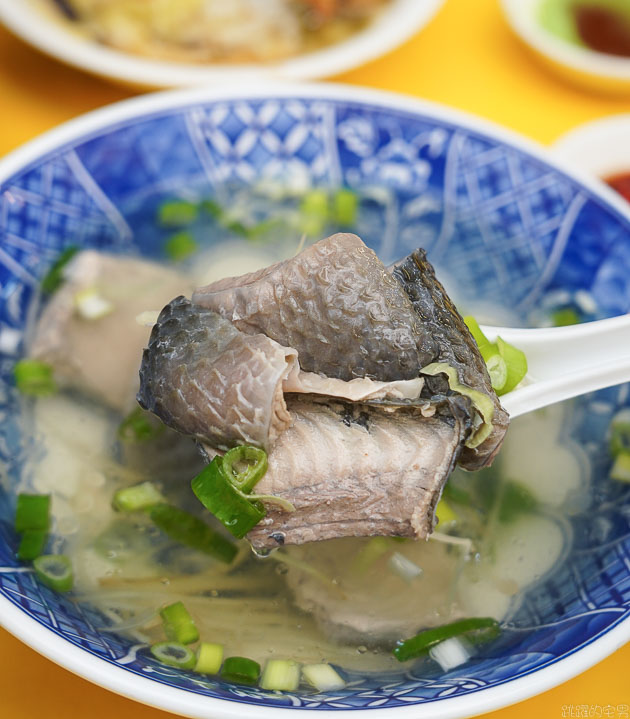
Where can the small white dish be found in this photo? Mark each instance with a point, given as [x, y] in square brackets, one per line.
[601, 147]
[595, 70]
[45, 32]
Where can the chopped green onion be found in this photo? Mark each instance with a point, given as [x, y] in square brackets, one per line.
[314, 212]
[187, 529]
[345, 203]
[515, 499]
[498, 371]
[280, 675]
[444, 513]
[32, 511]
[90, 305]
[209, 658]
[54, 278]
[177, 213]
[262, 228]
[481, 401]
[486, 348]
[139, 425]
[477, 629]
[180, 246]
[323, 677]
[55, 571]
[212, 208]
[506, 374]
[252, 232]
[216, 490]
[620, 433]
[237, 227]
[240, 670]
[34, 378]
[621, 467]
[516, 364]
[174, 654]
[565, 316]
[403, 567]
[255, 461]
[140, 496]
[179, 626]
[32, 544]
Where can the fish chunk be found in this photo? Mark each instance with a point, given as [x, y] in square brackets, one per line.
[359, 441]
[204, 378]
[359, 470]
[337, 305]
[100, 356]
[456, 347]
[348, 316]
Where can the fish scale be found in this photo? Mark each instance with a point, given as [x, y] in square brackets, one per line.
[204, 378]
[354, 320]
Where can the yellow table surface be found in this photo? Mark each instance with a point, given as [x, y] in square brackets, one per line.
[466, 58]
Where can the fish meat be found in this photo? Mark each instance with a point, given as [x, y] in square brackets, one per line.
[81, 351]
[319, 359]
[360, 607]
[359, 470]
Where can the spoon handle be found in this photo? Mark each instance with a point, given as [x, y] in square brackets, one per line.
[564, 362]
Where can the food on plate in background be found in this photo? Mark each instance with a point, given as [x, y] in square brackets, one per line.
[238, 31]
[600, 25]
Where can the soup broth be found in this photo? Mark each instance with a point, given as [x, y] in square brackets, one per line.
[344, 601]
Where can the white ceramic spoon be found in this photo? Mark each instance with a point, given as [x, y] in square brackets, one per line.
[564, 362]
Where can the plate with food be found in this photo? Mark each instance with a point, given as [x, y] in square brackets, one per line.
[255, 448]
[168, 43]
[587, 41]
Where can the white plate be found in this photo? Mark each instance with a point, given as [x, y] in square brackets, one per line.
[395, 25]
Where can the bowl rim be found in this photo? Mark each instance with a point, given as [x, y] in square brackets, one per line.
[180, 701]
[520, 15]
[604, 134]
[396, 24]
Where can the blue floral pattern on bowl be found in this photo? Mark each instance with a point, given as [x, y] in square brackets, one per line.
[484, 209]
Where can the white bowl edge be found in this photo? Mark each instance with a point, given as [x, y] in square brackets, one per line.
[600, 147]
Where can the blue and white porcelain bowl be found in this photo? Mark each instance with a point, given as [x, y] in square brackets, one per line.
[487, 205]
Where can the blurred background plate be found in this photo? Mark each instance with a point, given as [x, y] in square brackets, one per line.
[46, 32]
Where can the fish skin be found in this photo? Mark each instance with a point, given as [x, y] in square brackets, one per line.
[204, 378]
[457, 348]
[359, 470]
[337, 305]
